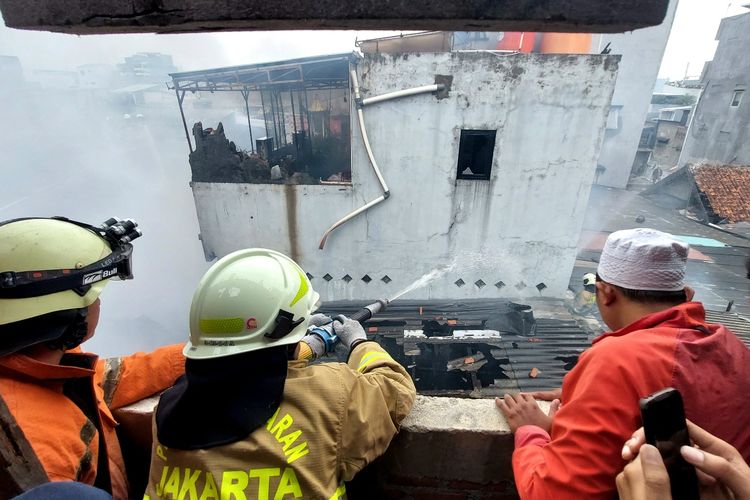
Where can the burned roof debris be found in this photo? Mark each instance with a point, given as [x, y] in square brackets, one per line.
[477, 348]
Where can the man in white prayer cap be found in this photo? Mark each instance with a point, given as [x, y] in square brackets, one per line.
[659, 339]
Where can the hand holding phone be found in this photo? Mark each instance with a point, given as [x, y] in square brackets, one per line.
[663, 415]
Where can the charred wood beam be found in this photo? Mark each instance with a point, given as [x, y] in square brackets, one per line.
[165, 16]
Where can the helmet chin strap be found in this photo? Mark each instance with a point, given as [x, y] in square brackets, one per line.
[284, 325]
[73, 335]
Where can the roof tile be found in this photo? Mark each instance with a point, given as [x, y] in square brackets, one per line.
[727, 189]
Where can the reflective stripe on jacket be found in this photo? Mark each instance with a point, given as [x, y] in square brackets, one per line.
[64, 436]
[707, 363]
[333, 420]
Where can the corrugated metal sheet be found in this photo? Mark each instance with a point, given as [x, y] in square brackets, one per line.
[551, 347]
[737, 324]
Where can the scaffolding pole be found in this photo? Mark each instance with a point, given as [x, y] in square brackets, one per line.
[180, 98]
[246, 95]
[294, 119]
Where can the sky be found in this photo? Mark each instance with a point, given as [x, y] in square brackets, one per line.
[692, 39]
[42, 50]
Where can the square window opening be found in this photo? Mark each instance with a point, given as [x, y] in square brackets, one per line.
[475, 154]
[737, 98]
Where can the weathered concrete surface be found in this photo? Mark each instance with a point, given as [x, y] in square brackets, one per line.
[642, 52]
[718, 131]
[453, 439]
[438, 414]
[445, 445]
[163, 16]
[520, 227]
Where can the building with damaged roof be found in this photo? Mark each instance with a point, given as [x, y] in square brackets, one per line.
[483, 162]
[712, 193]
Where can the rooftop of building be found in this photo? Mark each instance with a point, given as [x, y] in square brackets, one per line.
[727, 189]
[315, 70]
[723, 191]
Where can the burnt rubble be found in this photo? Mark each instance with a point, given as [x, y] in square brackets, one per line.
[475, 348]
[217, 159]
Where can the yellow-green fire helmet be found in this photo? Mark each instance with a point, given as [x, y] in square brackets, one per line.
[251, 299]
[48, 244]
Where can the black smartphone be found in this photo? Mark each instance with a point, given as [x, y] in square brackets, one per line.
[664, 423]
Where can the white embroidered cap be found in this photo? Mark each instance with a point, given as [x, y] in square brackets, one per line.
[644, 259]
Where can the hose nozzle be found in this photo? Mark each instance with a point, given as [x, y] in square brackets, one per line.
[370, 310]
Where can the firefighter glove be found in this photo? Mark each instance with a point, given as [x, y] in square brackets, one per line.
[319, 320]
[349, 331]
[317, 347]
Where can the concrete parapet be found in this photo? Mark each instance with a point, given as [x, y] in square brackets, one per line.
[448, 448]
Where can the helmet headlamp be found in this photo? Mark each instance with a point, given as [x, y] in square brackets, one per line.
[118, 265]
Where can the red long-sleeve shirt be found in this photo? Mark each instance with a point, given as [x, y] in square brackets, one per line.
[580, 458]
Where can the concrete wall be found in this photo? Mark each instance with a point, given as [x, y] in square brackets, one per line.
[719, 132]
[670, 136]
[642, 51]
[421, 462]
[521, 227]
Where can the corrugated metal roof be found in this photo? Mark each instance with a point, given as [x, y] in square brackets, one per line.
[551, 346]
[493, 365]
[739, 325]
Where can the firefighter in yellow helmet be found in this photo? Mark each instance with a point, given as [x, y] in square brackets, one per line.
[52, 272]
[585, 300]
[249, 421]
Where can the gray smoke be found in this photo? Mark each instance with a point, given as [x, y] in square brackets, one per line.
[89, 153]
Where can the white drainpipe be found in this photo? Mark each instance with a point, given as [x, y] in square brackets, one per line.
[361, 103]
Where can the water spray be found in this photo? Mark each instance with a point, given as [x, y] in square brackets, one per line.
[329, 337]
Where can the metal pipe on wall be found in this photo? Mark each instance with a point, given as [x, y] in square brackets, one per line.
[360, 103]
[403, 93]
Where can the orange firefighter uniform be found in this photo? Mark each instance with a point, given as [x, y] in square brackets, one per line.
[332, 421]
[62, 409]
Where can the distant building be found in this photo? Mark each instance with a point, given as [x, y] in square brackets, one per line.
[56, 79]
[492, 169]
[720, 129]
[140, 99]
[96, 76]
[146, 67]
[663, 134]
[645, 148]
[671, 127]
[710, 193]
[661, 101]
[432, 41]
[642, 52]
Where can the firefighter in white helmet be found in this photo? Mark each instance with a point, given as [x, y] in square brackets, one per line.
[248, 420]
[52, 272]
